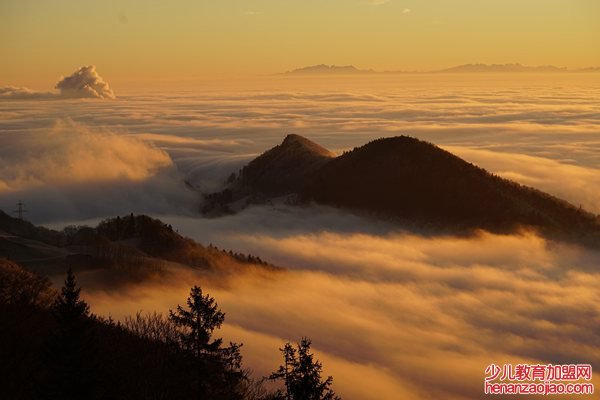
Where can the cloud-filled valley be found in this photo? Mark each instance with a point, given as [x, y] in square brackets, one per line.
[422, 317]
[419, 316]
[213, 133]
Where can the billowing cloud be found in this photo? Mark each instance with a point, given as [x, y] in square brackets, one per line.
[73, 153]
[74, 171]
[83, 83]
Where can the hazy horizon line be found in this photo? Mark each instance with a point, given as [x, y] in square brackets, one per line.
[464, 68]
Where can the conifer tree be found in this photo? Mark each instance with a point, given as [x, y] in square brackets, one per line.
[219, 369]
[301, 374]
[70, 351]
[198, 322]
[68, 307]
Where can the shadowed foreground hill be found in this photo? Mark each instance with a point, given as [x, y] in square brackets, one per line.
[52, 347]
[423, 186]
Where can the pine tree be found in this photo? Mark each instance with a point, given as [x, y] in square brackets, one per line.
[301, 374]
[285, 371]
[68, 307]
[71, 350]
[198, 323]
[219, 369]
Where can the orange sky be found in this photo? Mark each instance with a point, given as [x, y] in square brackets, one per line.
[151, 41]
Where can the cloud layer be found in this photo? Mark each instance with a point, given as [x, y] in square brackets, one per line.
[211, 133]
[72, 153]
[74, 171]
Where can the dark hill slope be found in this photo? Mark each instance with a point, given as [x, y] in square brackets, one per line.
[10, 226]
[414, 180]
[277, 172]
[285, 167]
[132, 247]
[47, 357]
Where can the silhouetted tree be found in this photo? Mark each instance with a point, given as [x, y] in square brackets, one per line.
[219, 369]
[68, 307]
[301, 374]
[198, 323]
[70, 353]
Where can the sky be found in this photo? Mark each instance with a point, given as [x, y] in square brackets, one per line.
[153, 41]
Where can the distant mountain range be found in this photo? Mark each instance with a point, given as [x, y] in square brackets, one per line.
[323, 69]
[406, 180]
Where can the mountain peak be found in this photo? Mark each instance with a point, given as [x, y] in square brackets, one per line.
[284, 167]
[293, 138]
[300, 143]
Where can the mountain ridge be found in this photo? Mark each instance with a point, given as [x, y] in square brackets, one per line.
[325, 69]
[328, 69]
[131, 247]
[414, 182]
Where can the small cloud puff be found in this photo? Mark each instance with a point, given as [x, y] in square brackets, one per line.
[83, 83]
[406, 11]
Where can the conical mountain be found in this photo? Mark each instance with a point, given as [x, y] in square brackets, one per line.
[285, 167]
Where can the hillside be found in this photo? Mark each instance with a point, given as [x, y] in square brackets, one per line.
[126, 248]
[52, 353]
[284, 167]
[420, 185]
[277, 172]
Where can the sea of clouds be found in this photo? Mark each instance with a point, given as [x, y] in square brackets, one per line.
[392, 314]
[542, 133]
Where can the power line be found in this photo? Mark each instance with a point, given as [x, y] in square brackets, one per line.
[20, 210]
